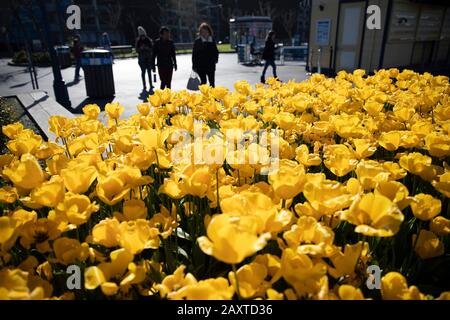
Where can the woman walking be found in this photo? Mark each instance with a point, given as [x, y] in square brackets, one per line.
[269, 55]
[205, 55]
[164, 53]
[144, 46]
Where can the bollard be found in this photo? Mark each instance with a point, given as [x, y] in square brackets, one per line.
[319, 56]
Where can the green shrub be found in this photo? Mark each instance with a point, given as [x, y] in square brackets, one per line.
[39, 58]
[6, 117]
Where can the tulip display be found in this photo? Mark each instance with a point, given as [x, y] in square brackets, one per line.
[278, 191]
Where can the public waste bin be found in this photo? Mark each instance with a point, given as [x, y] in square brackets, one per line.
[64, 59]
[243, 53]
[98, 73]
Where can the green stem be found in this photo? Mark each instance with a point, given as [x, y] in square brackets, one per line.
[217, 190]
[237, 281]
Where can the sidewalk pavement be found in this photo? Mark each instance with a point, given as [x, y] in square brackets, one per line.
[128, 84]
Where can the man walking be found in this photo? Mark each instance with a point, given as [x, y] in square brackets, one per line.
[164, 53]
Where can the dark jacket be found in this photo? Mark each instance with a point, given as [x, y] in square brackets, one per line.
[164, 52]
[144, 48]
[77, 51]
[269, 50]
[204, 55]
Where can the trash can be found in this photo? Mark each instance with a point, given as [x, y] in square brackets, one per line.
[98, 73]
[64, 59]
[243, 53]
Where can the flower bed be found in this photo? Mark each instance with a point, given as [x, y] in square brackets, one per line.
[332, 188]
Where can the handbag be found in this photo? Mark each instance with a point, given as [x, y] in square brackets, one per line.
[193, 82]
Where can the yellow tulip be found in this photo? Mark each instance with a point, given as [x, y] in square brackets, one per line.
[50, 193]
[8, 194]
[428, 245]
[26, 142]
[77, 208]
[339, 159]
[111, 189]
[144, 109]
[374, 215]
[12, 130]
[251, 280]
[425, 207]
[25, 173]
[106, 233]
[370, 173]
[91, 111]
[395, 191]
[304, 274]
[288, 180]
[310, 237]
[114, 110]
[395, 287]
[345, 262]
[443, 184]
[138, 235]
[69, 251]
[39, 233]
[440, 226]
[390, 140]
[196, 181]
[364, 148]
[326, 196]
[79, 178]
[15, 284]
[134, 209]
[93, 277]
[438, 145]
[347, 292]
[175, 284]
[61, 126]
[232, 238]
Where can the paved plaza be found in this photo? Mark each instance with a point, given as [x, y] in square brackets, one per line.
[16, 80]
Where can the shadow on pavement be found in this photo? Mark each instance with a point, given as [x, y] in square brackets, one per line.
[73, 83]
[36, 102]
[28, 82]
[101, 102]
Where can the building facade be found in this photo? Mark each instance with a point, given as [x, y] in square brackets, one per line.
[184, 16]
[303, 21]
[412, 34]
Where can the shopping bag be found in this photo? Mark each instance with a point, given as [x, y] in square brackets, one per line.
[193, 81]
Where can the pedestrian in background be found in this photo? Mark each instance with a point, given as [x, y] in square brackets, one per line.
[205, 55]
[77, 50]
[144, 49]
[164, 54]
[269, 55]
[106, 44]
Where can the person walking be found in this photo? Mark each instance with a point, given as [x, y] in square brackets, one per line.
[77, 50]
[205, 55]
[164, 53]
[269, 55]
[144, 49]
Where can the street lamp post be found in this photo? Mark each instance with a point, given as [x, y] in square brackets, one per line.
[59, 86]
